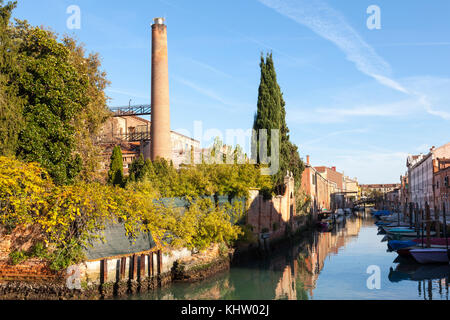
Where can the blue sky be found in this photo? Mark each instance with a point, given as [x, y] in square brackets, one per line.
[358, 99]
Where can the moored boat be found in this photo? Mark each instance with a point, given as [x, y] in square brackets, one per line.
[430, 255]
[402, 233]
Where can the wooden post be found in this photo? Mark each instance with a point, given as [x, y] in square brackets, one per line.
[133, 276]
[123, 264]
[151, 265]
[142, 266]
[410, 215]
[159, 257]
[103, 271]
[437, 223]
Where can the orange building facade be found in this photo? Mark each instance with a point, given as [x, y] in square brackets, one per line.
[316, 185]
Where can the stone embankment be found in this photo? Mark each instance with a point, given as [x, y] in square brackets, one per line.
[107, 279]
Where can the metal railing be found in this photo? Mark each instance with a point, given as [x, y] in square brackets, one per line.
[141, 110]
[129, 137]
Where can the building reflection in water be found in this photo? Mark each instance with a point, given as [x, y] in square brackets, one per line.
[299, 282]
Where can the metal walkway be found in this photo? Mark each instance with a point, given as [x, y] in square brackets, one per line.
[140, 110]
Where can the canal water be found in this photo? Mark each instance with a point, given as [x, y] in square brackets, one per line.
[329, 265]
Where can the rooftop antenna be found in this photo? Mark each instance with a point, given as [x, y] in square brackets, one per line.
[129, 103]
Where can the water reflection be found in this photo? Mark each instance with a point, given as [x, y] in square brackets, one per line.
[429, 277]
[330, 265]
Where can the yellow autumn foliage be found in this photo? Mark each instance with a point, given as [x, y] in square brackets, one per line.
[80, 212]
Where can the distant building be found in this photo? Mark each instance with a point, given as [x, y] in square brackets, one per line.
[404, 190]
[317, 187]
[351, 187]
[421, 169]
[333, 175]
[337, 189]
[393, 197]
[442, 184]
[327, 187]
[366, 189]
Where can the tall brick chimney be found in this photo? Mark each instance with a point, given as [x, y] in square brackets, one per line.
[161, 144]
[307, 160]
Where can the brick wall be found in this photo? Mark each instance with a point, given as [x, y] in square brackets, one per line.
[19, 239]
[31, 270]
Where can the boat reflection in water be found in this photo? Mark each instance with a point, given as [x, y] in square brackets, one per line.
[428, 276]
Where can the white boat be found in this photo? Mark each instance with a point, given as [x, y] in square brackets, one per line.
[430, 255]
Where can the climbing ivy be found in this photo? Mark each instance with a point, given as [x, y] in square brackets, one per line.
[71, 217]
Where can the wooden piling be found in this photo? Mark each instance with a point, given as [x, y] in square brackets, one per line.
[133, 276]
[437, 224]
[104, 271]
[123, 264]
[151, 269]
[159, 257]
[142, 267]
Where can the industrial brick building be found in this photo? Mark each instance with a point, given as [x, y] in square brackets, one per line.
[136, 135]
[133, 135]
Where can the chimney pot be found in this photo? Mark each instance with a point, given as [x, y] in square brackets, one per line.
[307, 160]
[159, 21]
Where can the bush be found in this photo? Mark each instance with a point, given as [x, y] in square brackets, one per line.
[18, 257]
[233, 180]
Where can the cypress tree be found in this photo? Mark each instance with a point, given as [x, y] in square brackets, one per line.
[268, 115]
[141, 169]
[271, 114]
[115, 173]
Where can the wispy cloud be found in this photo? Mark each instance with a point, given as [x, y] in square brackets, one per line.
[128, 93]
[299, 62]
[331, 25]
[204, 91]
[399, 108]
[209, 68]
[224, 104]
[413, 44]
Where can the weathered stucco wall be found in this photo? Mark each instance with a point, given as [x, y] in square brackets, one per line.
[274, 215]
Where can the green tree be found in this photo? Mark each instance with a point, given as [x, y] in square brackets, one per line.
[115, 173]
[141, 169]
[268, 115]
[271, 114]
[54, 93]
[90, 118]
[52, 100]
[10, 105]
